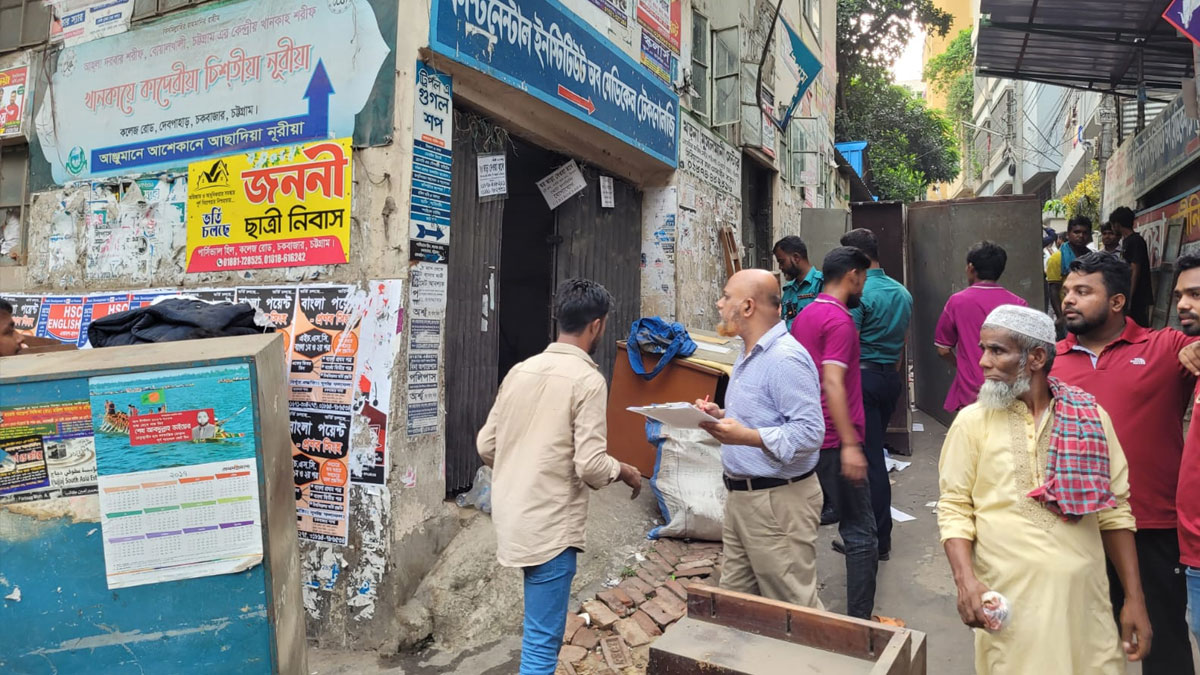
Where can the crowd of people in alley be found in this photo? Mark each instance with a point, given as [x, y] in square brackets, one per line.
[1065, 510]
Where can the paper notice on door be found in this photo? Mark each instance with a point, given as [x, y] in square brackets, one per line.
[561, 184]
[607, 199]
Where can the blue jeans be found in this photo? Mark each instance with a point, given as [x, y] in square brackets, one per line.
[1193, 589]
[547, 594]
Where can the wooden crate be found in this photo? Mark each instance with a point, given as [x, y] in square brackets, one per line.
[728, 633]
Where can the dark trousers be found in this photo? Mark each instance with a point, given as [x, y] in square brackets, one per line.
[881, 391]
[828, 463]
[1165, 588]
[857, 527]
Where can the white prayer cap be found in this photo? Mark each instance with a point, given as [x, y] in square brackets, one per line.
[1023, 320]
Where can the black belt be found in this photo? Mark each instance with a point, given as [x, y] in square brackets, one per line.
[763, 483]
[869, 365]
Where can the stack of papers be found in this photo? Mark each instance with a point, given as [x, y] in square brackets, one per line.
[681, 415]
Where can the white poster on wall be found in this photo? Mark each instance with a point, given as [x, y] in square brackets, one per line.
[492, 175]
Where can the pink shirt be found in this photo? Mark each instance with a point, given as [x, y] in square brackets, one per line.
[958, 329]
[826, 329]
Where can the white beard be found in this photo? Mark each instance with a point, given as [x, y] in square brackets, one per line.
[1000, 395]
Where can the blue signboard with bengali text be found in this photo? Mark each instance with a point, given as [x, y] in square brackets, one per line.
[542, 48]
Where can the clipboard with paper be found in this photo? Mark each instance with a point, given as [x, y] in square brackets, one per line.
[680, 415]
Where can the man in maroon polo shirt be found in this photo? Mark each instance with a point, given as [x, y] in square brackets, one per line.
[1187, 299]
[1135, 374]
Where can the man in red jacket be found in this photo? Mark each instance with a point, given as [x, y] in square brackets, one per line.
[1187, 297]
[1135, 374]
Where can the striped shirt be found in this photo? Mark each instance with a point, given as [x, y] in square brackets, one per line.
[775, 389]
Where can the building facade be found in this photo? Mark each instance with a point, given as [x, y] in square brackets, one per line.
[457, 158]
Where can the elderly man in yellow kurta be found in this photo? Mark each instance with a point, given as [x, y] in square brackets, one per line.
[1034, 493]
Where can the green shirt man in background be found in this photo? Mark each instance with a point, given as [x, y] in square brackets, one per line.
[804, 280]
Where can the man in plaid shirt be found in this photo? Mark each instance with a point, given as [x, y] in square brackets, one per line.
[1034, 492]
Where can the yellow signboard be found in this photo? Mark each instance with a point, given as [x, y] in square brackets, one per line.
[278, 207]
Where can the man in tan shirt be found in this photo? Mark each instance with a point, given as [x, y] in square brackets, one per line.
[546, 442]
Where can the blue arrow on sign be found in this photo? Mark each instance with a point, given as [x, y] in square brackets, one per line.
[432, 232]
[175, 150]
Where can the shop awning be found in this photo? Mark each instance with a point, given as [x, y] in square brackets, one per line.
[1085, 44]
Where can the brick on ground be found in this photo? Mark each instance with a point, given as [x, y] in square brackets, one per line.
[634, 592]
[602, 616]
[693, 572]
[648, 577]
[676, 588]
[657, 570]
[670, 546]
[574, 623]
[587, 638]
[611, 601]
[658, 559]
[663, 611]
[572, 654]
[620, 594]
[703, 562]
[645, 588]
[689, 557]
[616, 652]
[632, 632]
[643, 619]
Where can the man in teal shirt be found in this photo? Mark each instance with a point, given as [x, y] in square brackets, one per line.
[882, 319]
[804, 280]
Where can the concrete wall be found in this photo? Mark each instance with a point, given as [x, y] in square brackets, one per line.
[398, 530]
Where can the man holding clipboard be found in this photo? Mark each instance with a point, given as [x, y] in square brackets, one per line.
[770, 432]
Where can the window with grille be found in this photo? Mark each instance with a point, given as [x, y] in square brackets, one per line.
[700, 66]
[14, 202]
[23, 24]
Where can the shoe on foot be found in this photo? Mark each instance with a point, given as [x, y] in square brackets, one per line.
[829, 517]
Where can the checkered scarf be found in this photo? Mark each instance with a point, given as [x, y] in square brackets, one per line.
[1077, 477]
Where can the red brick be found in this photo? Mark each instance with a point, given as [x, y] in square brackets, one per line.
[692, 556]
[633, 592]
[643, 619]
[624, 597]
[572, 654]
[676, 588]
[669, 546]
[663, 612]
[616, 653]
[631, 631]
[659, 571]
[704, 562]
[574, 623]
[645, 588]
[611, 601]
[693, 572]
[649, 579]
[587, 638]
[658, 559]
[602, 616]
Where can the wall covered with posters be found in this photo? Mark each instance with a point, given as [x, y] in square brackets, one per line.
[250, 151]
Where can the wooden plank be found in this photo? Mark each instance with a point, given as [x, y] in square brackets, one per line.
[802, 625]
[693, 646]
[894, 660]
[919, 648]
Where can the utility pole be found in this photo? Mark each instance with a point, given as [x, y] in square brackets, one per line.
[1016, 133]
[1104, 148]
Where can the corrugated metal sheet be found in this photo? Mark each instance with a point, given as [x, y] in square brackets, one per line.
[940, 234]
[604, 245]
[471, 354]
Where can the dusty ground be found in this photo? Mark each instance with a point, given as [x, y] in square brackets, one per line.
[915, 585]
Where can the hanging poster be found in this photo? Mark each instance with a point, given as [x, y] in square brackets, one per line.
[216, 294]
[278, 303]
[320, 443]
[423, 385]
[491, 174]
[662, 17]
[324, 347]
[61, 318]
[218, 79]
[559, 185]
[283, 207]
[433, 131]
[74, 22]
[178, 483]
[658, 57]
[26, 310]
[615, 9]
[378, 347]
[13, 98]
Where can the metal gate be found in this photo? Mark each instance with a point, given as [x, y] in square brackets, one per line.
[940, 233]
[472, 340]
[604, 245]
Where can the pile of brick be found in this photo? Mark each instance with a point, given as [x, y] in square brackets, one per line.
[626, 618]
